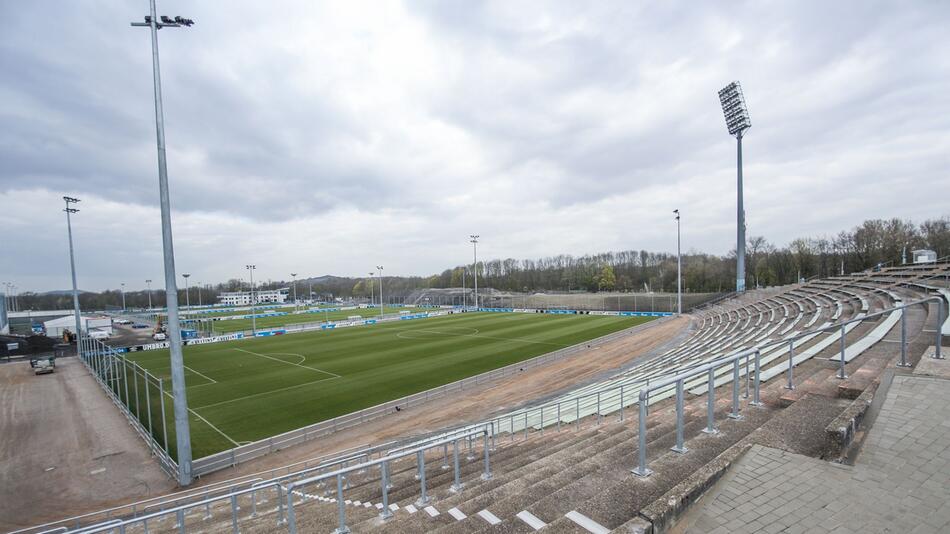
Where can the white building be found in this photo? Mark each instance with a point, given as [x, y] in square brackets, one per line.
[243, 298]
[924, 256]
[55, 327]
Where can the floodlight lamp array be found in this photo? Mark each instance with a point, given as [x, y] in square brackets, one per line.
[734, 108]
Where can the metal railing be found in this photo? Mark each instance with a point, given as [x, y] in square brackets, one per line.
[710, 368]
[113, 371]
[383, 463]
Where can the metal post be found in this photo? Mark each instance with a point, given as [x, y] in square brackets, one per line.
[486, 475]
[385, 513]
[903, 362]
[791, 365]
[756, 381]
[234, 514]
[711, 403]
[421, 462]
[735, 391]
[182, 430]
[457, 486]
[291, 513]
[135, 378]
[641, 470]
[740, 223]
[148, 405]
[341, 507]
[746, 396]
[161, 402]
[679, 268]
[841, 374]
[445, 456]
[939, 341]
[679, 447]
[125, 379]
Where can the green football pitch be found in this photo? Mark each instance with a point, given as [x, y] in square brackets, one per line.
[246, 390]
[245, 325]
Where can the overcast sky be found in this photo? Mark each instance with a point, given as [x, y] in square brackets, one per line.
[328, 137]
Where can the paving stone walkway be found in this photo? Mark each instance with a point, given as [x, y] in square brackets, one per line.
[900, 482]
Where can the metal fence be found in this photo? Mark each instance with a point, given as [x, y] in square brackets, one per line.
[140, 396]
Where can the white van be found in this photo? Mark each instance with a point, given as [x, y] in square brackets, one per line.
[99, 334]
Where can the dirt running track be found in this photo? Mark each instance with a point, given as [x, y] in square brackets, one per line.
[65, 449]
[51, 424]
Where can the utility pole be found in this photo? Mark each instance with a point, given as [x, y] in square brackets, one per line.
[72, 262]
[474, 242]
[380, 267]
[294, 276]
[679, 268]
[182, 428]
[187, 294]
[250, 269]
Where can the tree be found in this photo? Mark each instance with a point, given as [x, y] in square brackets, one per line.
[607, 280]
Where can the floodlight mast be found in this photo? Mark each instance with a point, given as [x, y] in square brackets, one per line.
[182, 428]
[737, 122]
[72, 263]
[474, 242]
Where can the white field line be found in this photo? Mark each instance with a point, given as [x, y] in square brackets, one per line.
[290, 363]
[202, 375]
[480, 336]
[216, 429]
[236, 399]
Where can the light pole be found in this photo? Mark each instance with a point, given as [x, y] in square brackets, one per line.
[294, 276]
[187, 294]
[122, 285]
[372, 290]
[474, 241]
[380, 267]
[737, 122]
[72, 260]
[250, 269]
[464, 296]
[198, 286]
[148, 284]
[182, 428]
[679, 267]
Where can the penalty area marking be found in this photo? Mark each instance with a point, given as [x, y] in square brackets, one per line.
[202, 375]
[216, 429]
[426, 333]
[266, 393]
[334, 375]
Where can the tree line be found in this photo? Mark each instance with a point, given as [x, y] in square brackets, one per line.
[873, 242]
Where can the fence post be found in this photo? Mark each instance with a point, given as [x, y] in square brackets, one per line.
[341, 507]
[161, 402]
[148, 406]
[903, 362]
[791, 365]
[421, 462]
[135, 378]
[746, 396]
[679, 447]
[641, 469]
[756, 381]
[385, 513]
[457, 486]
[234, 511]
[735, 390]
[487, 474]
[711, 403]
[939, 341]
[841, 374]
[445, 456]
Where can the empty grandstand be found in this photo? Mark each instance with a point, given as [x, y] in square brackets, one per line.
[619, 452]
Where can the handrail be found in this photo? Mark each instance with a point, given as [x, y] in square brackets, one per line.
[384, 466]
[710, 367]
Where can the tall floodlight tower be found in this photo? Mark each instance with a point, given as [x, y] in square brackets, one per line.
[182, 429]
[737, 122]
[372, 290]
[474, 242]
[148, 283]
[72, 261]
[123, 295]
[294, 276]
[679, 267]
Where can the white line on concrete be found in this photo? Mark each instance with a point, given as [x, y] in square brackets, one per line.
[411, 509]
[587, 523]
[490, 517]
[431, 511]
[457, 514]
[531, 520]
